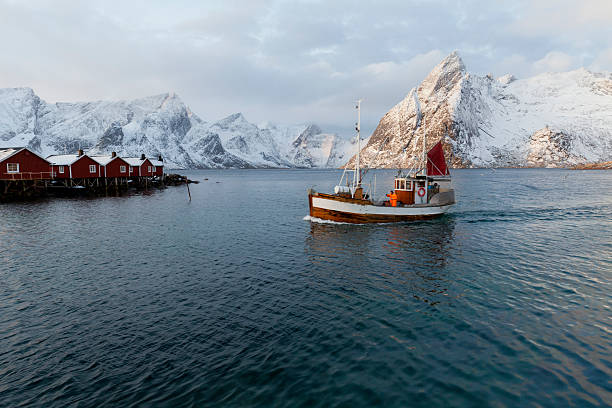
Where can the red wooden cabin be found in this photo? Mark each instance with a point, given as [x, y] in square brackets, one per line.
[158, 166]
[74, 166]
[20, 163]
[113, 166]
[140, 167]
[147, 169]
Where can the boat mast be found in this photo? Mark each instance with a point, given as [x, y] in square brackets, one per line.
[424, 147]
[358, 129]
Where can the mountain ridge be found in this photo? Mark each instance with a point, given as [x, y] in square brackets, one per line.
[550, 120]
[155, 125]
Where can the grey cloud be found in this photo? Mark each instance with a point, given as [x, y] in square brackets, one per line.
[285, 61]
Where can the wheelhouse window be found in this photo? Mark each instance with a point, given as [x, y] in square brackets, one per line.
[92, 168]
[61, 169]
[12, 167]
[122, 169]
[402, 184]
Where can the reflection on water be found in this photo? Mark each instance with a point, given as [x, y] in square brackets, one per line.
[405, 259]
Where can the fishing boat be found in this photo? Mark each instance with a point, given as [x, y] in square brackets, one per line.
[421, 193]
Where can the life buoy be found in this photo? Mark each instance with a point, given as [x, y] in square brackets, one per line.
[421, 192]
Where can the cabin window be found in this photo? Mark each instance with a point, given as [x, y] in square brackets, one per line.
[403, 184]
[92, 168]
[153, 169]
[131, 169]
[149, 169]
[61, 169]
[122, 169]
[409, 185]
[397, 184]
[12, 167]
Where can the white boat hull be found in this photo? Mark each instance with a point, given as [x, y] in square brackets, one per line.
[342, 209]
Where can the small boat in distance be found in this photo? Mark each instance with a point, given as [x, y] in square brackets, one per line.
[419, 194]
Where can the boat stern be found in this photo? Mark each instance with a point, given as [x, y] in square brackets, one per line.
[443, 198]
[311, 192]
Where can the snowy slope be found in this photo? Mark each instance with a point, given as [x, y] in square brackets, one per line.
[311, 147]
[156, 125]
[551, 120]
[19, 113]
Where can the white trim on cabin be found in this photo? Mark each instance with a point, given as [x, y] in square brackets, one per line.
[92, 168]
[15, 168]
[60, 169]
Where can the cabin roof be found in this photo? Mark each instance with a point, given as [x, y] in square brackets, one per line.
[104, 160]
[63, 159]
[157, 163]
[133, 161]
[7, 152]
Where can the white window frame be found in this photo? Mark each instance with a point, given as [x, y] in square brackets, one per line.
[8, 170]
[149, 169]
[153, 169]
[92, 168]
[60, 169]
[131, 169]
[122, 169]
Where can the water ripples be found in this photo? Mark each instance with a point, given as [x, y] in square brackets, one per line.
[155, 301]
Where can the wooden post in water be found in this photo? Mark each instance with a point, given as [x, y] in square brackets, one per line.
[188, 192]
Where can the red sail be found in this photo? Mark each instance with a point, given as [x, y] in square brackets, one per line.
[436, 163]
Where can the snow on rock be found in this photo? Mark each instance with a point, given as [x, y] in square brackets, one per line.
[548, 148]
[158, 125]
[19, 113]
[313, 148]
[498, 122]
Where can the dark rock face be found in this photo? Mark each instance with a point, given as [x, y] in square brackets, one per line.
[302, 139]
[211, 147]
[69, 146]
[238, 143]
[113, 136]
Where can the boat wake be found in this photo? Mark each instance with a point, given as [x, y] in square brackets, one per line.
[322, 221]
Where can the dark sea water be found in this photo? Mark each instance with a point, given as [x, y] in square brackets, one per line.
[234, 299]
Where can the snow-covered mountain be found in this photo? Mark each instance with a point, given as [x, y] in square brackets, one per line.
[161, 125]
[550, 120]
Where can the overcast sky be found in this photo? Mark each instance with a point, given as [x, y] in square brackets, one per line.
[287, 61]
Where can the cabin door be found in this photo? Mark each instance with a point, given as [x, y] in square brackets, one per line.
[420, 194]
